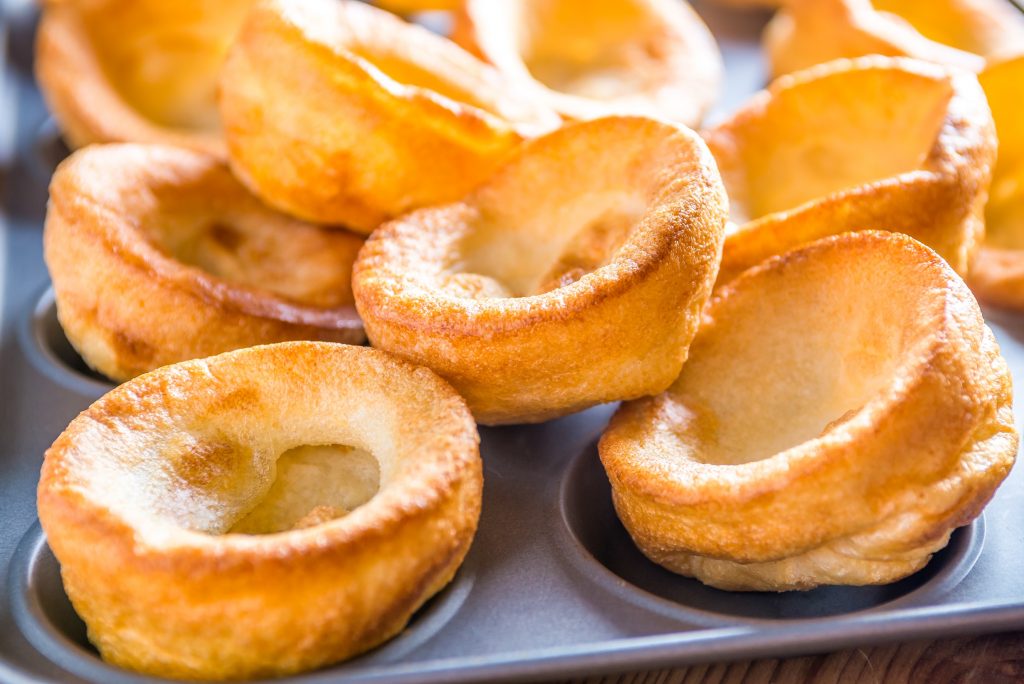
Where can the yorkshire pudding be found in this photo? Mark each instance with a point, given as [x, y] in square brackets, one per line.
[338, 112]
[958, 33]
[591, 58]
[141, 71]
[261, 512]
[158, 255]
[793, 451]
[872, 143]
[536, 297]
[753, 3]
[997, 275]
[411, 6]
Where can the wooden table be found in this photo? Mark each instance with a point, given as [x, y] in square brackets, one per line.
[992, 659]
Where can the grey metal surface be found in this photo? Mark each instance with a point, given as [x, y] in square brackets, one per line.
[552, 587]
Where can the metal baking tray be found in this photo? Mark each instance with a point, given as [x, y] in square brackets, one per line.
[552, 587]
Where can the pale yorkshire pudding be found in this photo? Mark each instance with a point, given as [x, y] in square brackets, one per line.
[591, 58]
[536, 297]
[997, 275]
[339, 112]
[141, 71]
[843, 409]
[261, 512]
[959, 33]
[872, 143]
[158, 255]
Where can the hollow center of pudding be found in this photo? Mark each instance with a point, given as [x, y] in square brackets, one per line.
[312, 485]
[829, 135]
[537, 251]
[612, 49]
[223, 447]
[164, 58]
[217, 486]
[259, 250]
[797, 358]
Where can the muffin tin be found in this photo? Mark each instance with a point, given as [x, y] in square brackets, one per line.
[552, 587]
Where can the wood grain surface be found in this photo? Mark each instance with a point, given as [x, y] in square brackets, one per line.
[993, 659]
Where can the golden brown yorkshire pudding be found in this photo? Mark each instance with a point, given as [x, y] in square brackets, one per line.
[536, 297]
[261, 512]
[158, 255]
[959, 33]
[338, 112]
[138, 71]
[793, 452]
[411, 6]
[997, 275]
[753, 3]
[591, 58]
[872, 143]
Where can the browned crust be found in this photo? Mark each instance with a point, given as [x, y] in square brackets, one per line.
[381, 147]
[922, 457]
[167, 601]
[940, 204]
[80, 95]
[129, 307]
[620, 331]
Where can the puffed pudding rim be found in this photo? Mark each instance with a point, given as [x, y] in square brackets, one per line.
[958, 157]
[121, 235]
[416, 306]
[89, 107]
[160, 542]
[886, 30]
[670, 32]
[748, 480]
[356, 52]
